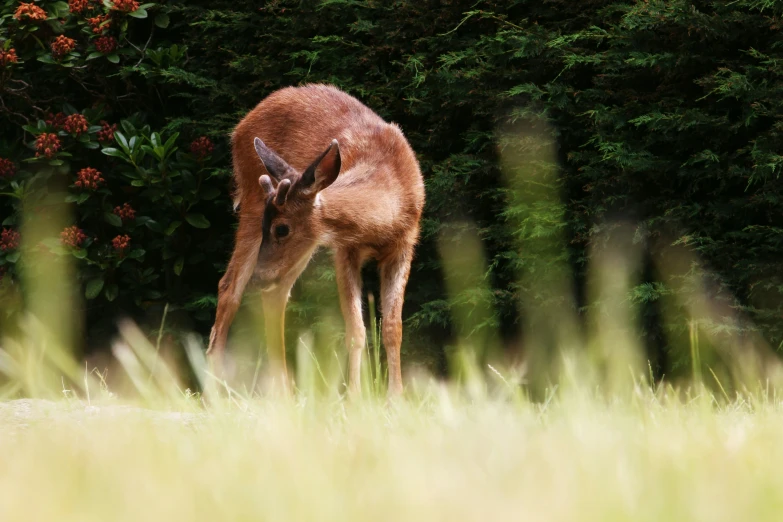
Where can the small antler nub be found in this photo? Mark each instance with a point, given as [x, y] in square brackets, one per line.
[266, 184]
[282, 192]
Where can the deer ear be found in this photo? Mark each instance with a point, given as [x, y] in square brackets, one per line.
[275, 165]
[323, 171]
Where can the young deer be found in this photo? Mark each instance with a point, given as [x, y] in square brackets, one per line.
[315, 167]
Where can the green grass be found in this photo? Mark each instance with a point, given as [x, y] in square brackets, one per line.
[437, 456]
[479, 449]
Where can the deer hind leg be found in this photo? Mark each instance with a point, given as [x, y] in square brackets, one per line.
[348, 269]
[232, 285]
[394, 278]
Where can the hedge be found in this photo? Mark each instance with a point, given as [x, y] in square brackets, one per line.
[663, 115]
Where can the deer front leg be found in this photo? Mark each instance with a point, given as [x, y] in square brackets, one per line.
[394, 277]
[348, 269]
[274, 303]
[231, 287]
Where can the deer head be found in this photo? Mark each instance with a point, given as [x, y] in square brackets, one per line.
[290, 225]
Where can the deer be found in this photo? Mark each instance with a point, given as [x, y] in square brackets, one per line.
[314, 167]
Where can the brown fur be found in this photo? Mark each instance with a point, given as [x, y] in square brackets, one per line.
[370, 209]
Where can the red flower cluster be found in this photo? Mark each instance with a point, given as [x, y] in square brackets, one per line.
[76, 124]
[72, 237]
[201, 148]
[30, 11]
[125, 212]
[95, 24]
[62, 45]
[126, 6]
[8, 57]
[47, 144]
[121, 243]
[89, 179]
[56, 120]
[7, 168]
[79, 6]
[106, 44]
[106, 134]
[9, 240]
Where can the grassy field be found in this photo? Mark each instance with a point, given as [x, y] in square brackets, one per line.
[439, 455]
[599, 443]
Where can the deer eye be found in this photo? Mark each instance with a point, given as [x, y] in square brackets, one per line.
[281, 231]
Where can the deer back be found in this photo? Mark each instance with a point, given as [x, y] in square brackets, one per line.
[297, 123]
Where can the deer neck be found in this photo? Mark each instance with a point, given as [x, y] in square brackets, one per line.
[344, 213]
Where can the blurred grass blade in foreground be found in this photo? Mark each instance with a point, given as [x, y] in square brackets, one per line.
[535, 215]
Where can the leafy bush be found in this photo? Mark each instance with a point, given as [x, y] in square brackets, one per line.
[73, 78]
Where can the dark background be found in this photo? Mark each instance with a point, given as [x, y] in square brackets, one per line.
[666, 115]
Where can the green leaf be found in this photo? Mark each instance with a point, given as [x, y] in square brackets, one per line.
[162, 20]
[154, 226]
[61, 9]
[111, 151]
[170, 142]
[111, 292]
[209, 193]
[136, 253]
[93, 55]
[128, 128]
[179, 265]
[113, 57]
[139, 13]
[79, 254]
[138, 183]
[122, 141]
[46, 58]
[172, 227]
[13, 257]
[197, 220]
[94, 288]
[81, 198]
[112, 219]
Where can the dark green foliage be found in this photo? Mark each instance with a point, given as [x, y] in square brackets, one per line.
[663, 114]
[151, 224]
